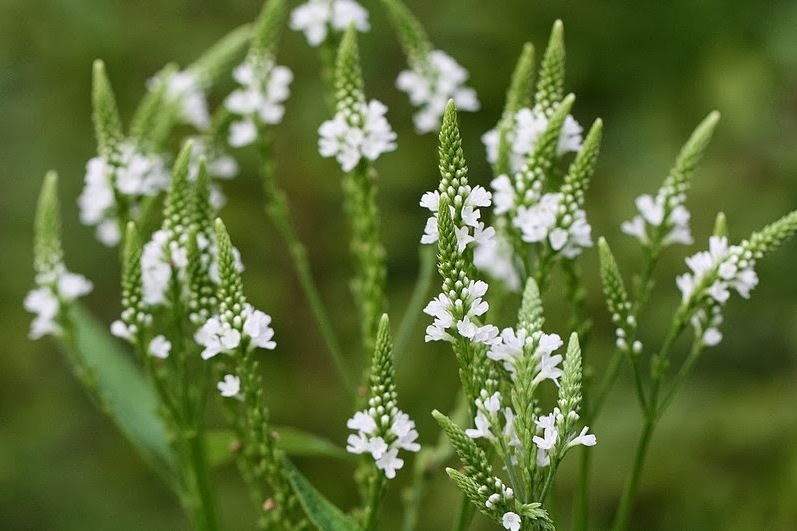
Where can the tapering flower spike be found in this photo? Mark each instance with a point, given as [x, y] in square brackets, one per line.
[359, 130]
[56, 287]
[664, 219]
[383, 429]
[263, 85]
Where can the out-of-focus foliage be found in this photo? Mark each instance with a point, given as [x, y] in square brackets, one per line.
[724, 457]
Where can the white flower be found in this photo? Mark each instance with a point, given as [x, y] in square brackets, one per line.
[536, 222]
[482, 429]
[511, 521]
[442, 79]
[230, 386]
[389, 462]
[652, 212]
[72, 285]
[256, 326]
[583, 439]
[496, 259]
[160, 347]
[523, 133]
[217, 337]
[316, 17]
[43, 302]
[186, 89]
[350, 143]
[264, 87]
[122, 330]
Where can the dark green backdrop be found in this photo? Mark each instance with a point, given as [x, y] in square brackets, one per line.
[725, 456]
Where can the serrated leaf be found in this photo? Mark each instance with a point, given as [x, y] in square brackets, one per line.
[120, 388]
[321, 512]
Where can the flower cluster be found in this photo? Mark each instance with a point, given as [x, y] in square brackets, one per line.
[131, 175]
[251, 328]
[382, 431]
[527, 126]
[707, 287]
[356, 133]
[666, 211]
[467, 213]
[487, 421]
[259, 100]
[552, 425]
[54, 289]
[185, 90]
[459, 310]
[317, 18]
[431, 85]
[511, 347]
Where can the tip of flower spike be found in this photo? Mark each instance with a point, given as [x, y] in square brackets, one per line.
[721, 225]
[98, 67]
[451, 110]
[221, 229]
[557, 37]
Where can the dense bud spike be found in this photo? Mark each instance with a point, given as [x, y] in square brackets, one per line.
[570, 389]
[517, 97]
[217, 60]
[47, 251]
[477, 467]
[583, 166]
[550, 87]
[349, 89]
[410, 32]
[267, 28]
[107, 125]
[452, 159]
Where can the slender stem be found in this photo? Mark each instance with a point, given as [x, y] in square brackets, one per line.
[428, 462]
[277, 209]
[415, 305]
[582, 496]
[199, 483]
[680, 376]
[464, 515]
[623, 515]
[378, 489]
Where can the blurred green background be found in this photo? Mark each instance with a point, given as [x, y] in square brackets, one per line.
[725, 456]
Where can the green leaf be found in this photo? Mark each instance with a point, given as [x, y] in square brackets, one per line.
[321, 512]
[120, 388]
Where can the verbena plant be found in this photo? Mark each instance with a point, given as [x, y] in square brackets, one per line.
[523, 404]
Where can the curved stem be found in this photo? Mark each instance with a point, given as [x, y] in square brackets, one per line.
[277, 209]
[623, 514]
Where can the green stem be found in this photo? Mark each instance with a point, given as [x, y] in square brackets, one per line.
[623, 515]
[414, 310]
[378, 489]
[582, 496]
[464, 515]
[428, 462]
[680, 376]
[277, 209]
[199, 484]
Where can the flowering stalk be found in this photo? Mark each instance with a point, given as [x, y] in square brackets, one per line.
[434, 77]
[705, 291]
[277, 208]
[235, 332]
[382, 429]
[356, 136]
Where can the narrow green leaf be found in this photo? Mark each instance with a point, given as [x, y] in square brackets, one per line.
[120, 387]
[321, 512]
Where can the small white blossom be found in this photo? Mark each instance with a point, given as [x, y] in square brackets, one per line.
[511, 521]
[317, 17]
[160, 347]
[230, 386]
[186, 89]
[527, 126]
[263, 88]
[350, 143]
[217, 336]
[653, 212]
[54, 288]
[256, 327]
[133, 174]
[441, 79]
